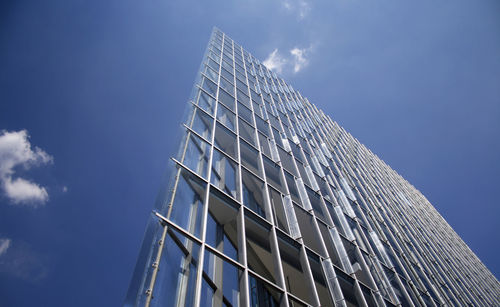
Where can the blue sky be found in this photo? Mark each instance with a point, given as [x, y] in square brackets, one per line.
[98, 87]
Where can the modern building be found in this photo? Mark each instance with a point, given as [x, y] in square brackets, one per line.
[272, 203]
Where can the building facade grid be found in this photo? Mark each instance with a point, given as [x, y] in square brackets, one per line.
[272, 203]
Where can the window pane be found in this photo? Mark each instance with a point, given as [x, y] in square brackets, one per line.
[187, 207]
[250, 158]
[223, 279]
[227, 100]
[222, 224]
[196, 155]
[253, 192]
[295, 279]
[279, 212]
[247, 132]
[259, 255]
[224, 173]
[206, 102]
[273, 174]
[209, 86]
[202, 124]
[225, 116]
[225, 140]
[245, 113]
[262, 294]
[176, 279]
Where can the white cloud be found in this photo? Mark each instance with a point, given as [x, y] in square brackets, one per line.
[299, 58]
[4, 246]
[16, 151]
[301, 7]
[275, 61]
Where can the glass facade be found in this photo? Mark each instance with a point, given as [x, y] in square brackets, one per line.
[272, 203]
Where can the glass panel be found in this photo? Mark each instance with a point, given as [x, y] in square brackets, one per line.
[319, 280]
[225, 140]
[253, 192]
[224, 173]
[245, 113]
[309, 234]
[292, 302]
[176, 279]
[395, 286]
[369, 298]
[227, 100]
[226, 74]
[222, 224]
[273, 174]
[222, 280]
[315, 200]
[247, 132]
[262, 126]
[264, 145]
[295, 279]
[243, 98]
[347, 285]
[202, 124]
[287, 161]
[197, 155]
[262, 294]
[226, 85]
[211, 73]
[279, 212]
[209, 86]
[292, 187]
[206, 102]
[225, 116]
[250, 158]
[259, 255]
[187, 207]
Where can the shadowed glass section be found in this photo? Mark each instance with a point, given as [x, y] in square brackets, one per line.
[221, 282]
[253, 192]
[263, 294]
[222, 233]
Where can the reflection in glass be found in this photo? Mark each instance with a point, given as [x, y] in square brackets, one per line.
[262, 294]
[179, 258]
[225, 140]
[224, 173]
[202, 124]
[225, 116]
[253, 192]
[221, 282]
[221, 224]
[197, 155]
[187, 206]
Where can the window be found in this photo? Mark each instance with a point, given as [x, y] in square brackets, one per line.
[196, 155]
[225, 140]
[224, 173]
[179, 258]
[226, 117]
[253, 193]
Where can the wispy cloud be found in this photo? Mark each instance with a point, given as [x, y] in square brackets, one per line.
[4, 246]
[19, 260]
[300, 59]
[16, 151]
[301, 7]
[275, 61]
[297, 60]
